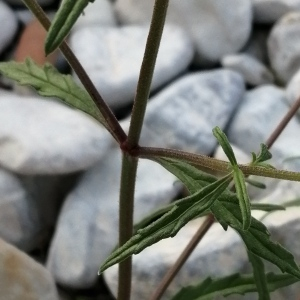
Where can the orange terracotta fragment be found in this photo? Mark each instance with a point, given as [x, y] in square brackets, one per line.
[31, 44]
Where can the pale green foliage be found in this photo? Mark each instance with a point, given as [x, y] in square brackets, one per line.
[49, 82]
[226, 210]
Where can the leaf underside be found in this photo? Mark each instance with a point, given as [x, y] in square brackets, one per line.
[48, 82]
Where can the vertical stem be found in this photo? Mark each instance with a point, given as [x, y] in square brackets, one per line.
[128, 176]
[146, 73]
[129, 164]
[112, 125]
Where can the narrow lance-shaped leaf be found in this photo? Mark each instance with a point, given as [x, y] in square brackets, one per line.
[291, 203]
[259, 276]
[260, 158]
[171, 222]
[256, 238]
[210, 288]
[193, 178]
[50, 83]
[266, 207]
[224, 143]
[255, 183]
[64, 19]
[242, 194]
[238, 176]
[263, 155]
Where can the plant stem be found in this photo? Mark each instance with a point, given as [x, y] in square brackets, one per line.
[128, 176]
[208, 222]
[112, 125]
[213, 164]
[129, 164]
[283, 123]
[146, 73]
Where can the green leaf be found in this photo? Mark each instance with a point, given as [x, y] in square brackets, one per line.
[264, 165]
[259, 276]
[266, 207]
[242, 194]
[227, 211]
[50, 83]
[224, 143]
[256, 238]
[170, 223]
[66, 16]
[291, 203]
[209, 289]
[193, 178]
[255, 183]
[294, 202]
[263, 155]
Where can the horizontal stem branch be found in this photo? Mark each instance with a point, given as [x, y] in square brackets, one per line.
[213, 163]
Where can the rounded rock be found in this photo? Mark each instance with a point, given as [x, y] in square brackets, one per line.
[269, 11]
[253, 71]
[114, 55]
[284, 45]
[9, 25]
[216, 27]
[39, 136]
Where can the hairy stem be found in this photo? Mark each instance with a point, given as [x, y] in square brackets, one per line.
[112, 123]
[128, 176]
[214, 164]
[146, 73]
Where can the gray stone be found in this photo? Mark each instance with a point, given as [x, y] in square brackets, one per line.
[257, 44]
[29, 206]
[23, 278]
[114, 58]
[283, 46]
[253, 71]
[269, 11]
[215, 29]
[9, 25]
[259, 113]
[18, 219]
[182, 115]
[24, 15]
[39, 136]
[293, 89]
[87, 229]
[98, 13]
